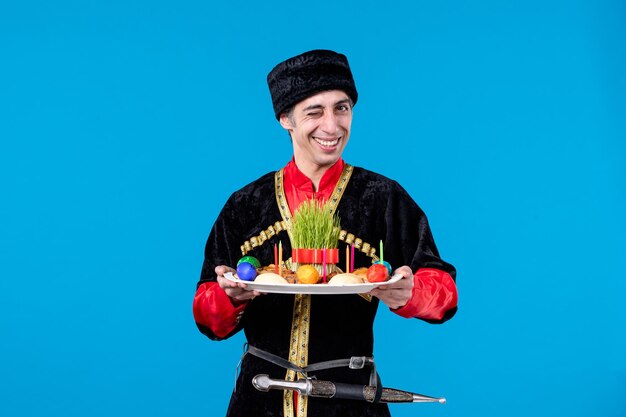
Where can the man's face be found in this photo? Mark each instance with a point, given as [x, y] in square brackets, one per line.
[319, 128]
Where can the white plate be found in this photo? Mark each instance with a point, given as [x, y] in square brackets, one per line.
[312, 288]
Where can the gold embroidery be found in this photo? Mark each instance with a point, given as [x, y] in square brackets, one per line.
[299, 341]
[298, 352]
[366, 247]
[264, 236]
[281, 200]
[340, 187]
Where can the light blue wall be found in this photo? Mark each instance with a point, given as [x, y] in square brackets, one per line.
[124, 126]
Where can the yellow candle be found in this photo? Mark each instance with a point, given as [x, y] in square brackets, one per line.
[347, 259]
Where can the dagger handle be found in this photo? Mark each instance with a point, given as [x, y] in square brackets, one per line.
[349, 391]
[323, 389]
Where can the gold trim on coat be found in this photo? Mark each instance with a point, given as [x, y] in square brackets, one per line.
[299, 340]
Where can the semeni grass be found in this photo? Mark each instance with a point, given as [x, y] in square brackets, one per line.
[314, 226]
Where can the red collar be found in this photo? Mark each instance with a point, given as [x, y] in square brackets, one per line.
[298, 187]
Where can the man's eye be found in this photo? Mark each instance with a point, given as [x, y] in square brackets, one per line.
[314, 114]
[342, 107]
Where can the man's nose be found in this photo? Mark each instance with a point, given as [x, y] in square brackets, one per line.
[329, 123]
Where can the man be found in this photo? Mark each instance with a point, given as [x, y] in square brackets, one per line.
[313, 96]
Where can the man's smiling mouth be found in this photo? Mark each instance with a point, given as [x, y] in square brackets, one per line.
[327, 143]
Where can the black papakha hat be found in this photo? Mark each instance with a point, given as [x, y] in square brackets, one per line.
[307, 74]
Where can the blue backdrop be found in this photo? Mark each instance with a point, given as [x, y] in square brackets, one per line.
[125, 125]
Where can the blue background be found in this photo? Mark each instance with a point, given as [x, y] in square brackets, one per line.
[125, 125]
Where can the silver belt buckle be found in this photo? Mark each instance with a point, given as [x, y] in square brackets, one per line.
[357, 362]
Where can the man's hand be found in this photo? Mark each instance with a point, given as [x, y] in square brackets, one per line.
[398, 294]
[236, 291]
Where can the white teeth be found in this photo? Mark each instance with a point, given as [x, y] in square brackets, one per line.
[327, 142]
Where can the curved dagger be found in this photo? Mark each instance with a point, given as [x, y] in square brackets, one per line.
[327, 389]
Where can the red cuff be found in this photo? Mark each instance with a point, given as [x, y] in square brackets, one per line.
[214, 309]
[434, 293]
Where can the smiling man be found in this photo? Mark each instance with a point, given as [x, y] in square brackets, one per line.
[313, 95]
[319, 127]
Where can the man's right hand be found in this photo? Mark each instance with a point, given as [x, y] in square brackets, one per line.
[236, 291]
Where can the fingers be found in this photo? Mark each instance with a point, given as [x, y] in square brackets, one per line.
[405, 271]
[235, 290]
[375, 292]
[405, 282]
[392, 298]
[399, 293]
[220, 270]
[227, 285]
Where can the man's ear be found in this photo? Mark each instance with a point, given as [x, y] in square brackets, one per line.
[285, 122]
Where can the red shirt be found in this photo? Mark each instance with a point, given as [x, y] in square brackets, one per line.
[298, 187]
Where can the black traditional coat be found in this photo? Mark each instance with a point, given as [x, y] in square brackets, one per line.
[313, 328]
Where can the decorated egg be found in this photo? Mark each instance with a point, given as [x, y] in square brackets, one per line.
[387, 265]
[307, 274]
[246, 271]
[251, 260]
[377, 273]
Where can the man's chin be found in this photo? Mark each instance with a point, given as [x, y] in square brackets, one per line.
[328, 161]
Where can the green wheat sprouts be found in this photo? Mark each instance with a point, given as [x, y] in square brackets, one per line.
[314, 226]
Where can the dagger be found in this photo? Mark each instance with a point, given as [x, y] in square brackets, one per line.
[327, 389]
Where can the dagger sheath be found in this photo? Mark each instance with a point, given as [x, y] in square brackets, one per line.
[327, 389]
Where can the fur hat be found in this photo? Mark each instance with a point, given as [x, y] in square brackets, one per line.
[307, 74]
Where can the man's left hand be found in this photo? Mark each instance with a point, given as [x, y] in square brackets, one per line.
[398, 294]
